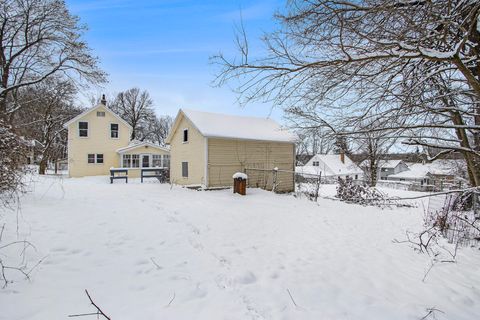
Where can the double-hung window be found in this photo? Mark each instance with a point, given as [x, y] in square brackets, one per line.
[157, 160]
[95, 158]
[166, 161]
[135, 161]
[114, 130]
[83, 129]
[127, 161]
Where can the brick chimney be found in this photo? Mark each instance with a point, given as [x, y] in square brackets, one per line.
[342, 156]
[103, 101]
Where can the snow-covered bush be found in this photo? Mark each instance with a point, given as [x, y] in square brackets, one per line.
[12, 164]
[349, 191]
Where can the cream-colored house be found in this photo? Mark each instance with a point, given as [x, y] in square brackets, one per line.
[99, 139]
[208, 148]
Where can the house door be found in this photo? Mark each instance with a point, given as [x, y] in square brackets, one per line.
[145, 160]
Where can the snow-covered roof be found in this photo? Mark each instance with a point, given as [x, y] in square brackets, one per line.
[332, 165]
[137, 144]
[308, 170]
[83, 114]
[420, 170]
[382, 163]
[216, 125]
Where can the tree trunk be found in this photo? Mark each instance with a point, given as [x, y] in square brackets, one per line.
[473, 172]
[3, 109]
[43, 166]
[373, 174]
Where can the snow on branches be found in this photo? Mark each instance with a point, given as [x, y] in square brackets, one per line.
[12, 156]
[349, 191]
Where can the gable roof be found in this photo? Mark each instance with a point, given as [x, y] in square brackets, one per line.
[83, 114]
[331, 165]
[216, 125]
[420, 170]
[136, 144]
[382, 163]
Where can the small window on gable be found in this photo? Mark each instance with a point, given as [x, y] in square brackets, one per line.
[83, 129]
[114, 130]
[100, 113]
[185, 135]
[185, 169]
[316, 163]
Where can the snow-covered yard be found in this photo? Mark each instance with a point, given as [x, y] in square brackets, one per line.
[149, 251]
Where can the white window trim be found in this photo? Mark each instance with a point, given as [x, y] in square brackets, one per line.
[161, 160]
[88, 130]
[139, 161]
[110, 130]
[95, 159]
[149, 160]
[150, 155]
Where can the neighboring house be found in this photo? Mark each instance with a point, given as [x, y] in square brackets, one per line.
[386, 167]
[331, 166]
[99, 139]
[439, 174]
[208, 148]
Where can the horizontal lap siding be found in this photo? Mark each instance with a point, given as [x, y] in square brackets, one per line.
[97, 142]
[225, 157]
[192, 152]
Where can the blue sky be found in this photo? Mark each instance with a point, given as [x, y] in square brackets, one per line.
[164, 47]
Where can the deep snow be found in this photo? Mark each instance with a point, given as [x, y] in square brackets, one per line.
[218, 255]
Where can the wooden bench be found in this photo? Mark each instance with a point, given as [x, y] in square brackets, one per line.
[119, 175]
[159, 173]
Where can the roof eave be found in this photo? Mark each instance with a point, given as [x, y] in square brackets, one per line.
[247, 139]
[143, 144]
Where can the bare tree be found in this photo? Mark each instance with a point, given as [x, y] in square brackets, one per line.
[46, 107]
[158, 129]
[374, 146]
[136, 108]
[313, 140]
[12, 157]
[40, 39]
[412, 64]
